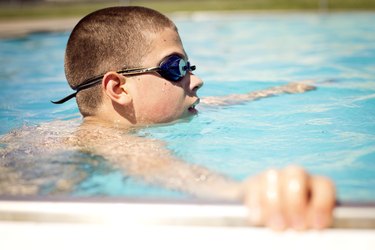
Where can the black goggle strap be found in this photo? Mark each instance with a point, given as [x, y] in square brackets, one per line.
[191, 68]
[61, 101]
[95, 80]
[85, 85]
[138, 71]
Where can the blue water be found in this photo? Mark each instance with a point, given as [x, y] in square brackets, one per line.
[331, 131]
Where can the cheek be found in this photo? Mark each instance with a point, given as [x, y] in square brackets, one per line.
[163, 103]
[171, 99]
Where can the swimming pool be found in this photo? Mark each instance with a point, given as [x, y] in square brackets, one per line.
[330, 131]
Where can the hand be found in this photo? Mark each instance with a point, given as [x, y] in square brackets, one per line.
[289, 198]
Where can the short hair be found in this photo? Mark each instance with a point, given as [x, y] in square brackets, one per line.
[109, 39]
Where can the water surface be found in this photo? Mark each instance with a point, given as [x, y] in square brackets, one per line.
[331, 131]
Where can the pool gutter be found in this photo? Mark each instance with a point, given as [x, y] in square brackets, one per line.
[198, 213]
[26, 221]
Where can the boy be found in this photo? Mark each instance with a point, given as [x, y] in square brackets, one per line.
[129, 68]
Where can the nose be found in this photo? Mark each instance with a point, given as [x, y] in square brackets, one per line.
[195, 83]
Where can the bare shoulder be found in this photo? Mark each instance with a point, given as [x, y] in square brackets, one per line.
[118, 144]
[56, 137]
[99, 134]
[30, 159]
[43, 137]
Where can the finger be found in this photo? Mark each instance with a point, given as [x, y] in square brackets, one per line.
[253, 202]
[322, 202]
[295, 192]
[272, 200]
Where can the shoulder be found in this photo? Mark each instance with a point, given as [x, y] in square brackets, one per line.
[43, 137]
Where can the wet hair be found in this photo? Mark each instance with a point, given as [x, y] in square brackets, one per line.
[109, 39]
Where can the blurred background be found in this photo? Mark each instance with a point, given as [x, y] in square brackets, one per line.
[21, 9]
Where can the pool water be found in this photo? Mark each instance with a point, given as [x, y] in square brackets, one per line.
[330, 131]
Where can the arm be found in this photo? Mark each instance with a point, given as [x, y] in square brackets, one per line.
[290, 88]
[150, 161]
[282, 198]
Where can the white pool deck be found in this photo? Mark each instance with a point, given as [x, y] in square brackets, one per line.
[165, 225]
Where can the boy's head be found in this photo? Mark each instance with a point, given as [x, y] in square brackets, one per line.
[113, 39]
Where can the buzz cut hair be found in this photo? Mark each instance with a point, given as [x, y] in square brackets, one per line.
[106, 40]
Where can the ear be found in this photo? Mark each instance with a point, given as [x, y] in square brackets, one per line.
[114, 86]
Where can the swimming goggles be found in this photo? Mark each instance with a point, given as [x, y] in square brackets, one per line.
[173, 68]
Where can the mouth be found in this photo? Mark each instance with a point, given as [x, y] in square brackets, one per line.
[192, 108]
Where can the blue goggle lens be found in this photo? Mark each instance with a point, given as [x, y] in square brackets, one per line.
[175, 68]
